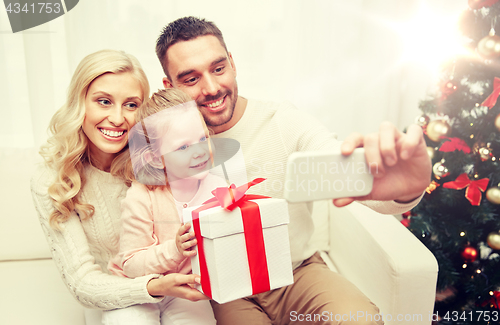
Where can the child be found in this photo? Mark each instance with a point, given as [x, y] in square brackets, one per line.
[171, 159]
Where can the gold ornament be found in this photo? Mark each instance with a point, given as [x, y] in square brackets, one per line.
[422, 120]
[493, 195]
[436, 129]
[432, 186]
[493, 240]
[489, 47]
[440, 170]
[497, 122]
[431, 151]
[483, 150]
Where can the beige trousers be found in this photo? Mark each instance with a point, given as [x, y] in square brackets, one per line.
[317, 296]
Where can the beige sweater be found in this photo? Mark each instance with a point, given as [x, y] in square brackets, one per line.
[268, 133]
[82, 249]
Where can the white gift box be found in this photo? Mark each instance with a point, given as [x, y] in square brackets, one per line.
[225, 250]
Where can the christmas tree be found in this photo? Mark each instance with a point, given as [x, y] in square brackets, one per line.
[459, 217]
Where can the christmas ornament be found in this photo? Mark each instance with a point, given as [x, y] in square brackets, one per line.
[473, 188]
[493, 240]
[489, 47]
[448, 88]
[406, 222]
[478, 4]
[454, 144]
[493, 195]
[497, 122]
[432, 186]
[493, 301]
[491, 100]
[431, 151]
[469, 254]
[440, 170]
[484, 151]
[436, 129]
[422, 121]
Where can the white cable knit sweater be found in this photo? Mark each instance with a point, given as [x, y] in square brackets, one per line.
[82, 249]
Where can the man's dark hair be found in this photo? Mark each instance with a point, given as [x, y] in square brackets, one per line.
[184, 29]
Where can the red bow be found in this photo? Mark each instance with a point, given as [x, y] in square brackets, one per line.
[492, 99]
[229, 199]
[454, 144]
[474, 188]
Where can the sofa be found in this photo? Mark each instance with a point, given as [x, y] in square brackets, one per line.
[374, 251]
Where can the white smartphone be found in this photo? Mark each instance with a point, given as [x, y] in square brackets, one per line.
[313, 175]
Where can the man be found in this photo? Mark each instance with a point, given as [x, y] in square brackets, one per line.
[195, 60]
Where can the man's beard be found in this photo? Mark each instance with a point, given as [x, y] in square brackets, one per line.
[221, 118]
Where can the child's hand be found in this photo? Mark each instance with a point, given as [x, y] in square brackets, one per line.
[185, 241]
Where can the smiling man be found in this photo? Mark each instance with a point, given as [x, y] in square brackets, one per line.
[195, 60]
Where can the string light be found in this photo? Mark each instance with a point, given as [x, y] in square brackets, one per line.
[462, 234]
[464, 266]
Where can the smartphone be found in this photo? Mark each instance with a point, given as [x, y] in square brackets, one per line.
[313, 175]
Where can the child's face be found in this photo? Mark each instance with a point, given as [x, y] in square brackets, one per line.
[185, 147]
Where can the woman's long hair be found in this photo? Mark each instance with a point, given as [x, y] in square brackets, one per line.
[67, 150]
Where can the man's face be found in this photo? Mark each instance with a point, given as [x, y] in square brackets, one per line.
[205, 71]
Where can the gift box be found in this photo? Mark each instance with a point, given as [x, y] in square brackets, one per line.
[243, 245]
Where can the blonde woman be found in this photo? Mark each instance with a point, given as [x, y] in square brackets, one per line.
[77, 192]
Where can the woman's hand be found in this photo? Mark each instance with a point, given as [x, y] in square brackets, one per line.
[185, 241]
[176, 285]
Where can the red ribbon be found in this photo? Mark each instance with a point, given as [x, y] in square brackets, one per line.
[229, 199]
[492, 99]
[474, 188]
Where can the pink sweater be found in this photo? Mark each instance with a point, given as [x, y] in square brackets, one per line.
[150, 220]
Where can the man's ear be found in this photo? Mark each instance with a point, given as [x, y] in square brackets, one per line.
[151, 159]
[232, 63]
[166, 83]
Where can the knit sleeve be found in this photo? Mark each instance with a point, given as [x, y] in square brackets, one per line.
[141, 252]
[302, 132]
[70, 251]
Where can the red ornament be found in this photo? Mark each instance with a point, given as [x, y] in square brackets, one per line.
[406, 222]
[492, 99]
[478, 4]
[469, 254]
[448, 88]
[406, 214]
[454, 144]
[474, 188]
[494, 300]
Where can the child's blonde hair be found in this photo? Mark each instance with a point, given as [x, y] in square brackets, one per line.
[147, 136]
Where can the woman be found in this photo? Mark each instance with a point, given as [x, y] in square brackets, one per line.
[77, 192]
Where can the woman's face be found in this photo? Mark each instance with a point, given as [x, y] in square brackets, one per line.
[110, 106]
[185, 147]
